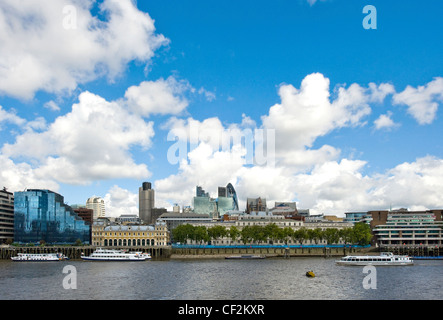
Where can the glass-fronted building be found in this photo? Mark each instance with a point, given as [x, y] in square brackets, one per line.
[43, 215]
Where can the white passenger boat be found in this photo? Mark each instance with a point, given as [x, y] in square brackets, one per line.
[38, 257]
[384, 259]
[116, 255]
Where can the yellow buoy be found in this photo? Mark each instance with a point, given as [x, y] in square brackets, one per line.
[310, 274]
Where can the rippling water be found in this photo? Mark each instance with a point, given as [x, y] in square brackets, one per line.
[198, 279]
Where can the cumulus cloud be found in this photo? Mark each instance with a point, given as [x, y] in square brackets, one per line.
[158, 97]
[46, 47]
[92, 142]
[120, 201]
[385, 122]
[308, 113]
[10, 117]
[422, 101]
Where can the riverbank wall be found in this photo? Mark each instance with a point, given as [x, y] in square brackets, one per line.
[75, 253]
[268, 251]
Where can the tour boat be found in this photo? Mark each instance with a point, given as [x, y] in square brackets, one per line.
[39, 257]
[384, 259]
[116, 255]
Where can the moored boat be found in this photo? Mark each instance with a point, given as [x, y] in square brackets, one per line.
[116, 255]
[245, 256]
[384, 259]
[36, 257]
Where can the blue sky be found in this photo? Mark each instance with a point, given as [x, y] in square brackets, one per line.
[363, 132]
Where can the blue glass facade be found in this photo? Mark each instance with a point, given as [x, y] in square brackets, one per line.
[43, 215]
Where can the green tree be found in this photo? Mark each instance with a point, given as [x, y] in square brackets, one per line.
[183, 232]
[217, 232]
[346, 235]
[361, 234]
[234, 233]
[300, 235]
[331, 235]
[200, 234]
[246, 234]
[271, 231]
[286, 234]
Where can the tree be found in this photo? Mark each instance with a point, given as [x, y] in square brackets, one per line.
[183, 232]
[200, 234]
[346, 235]
[217, 232]
[314, 234]
[300, 235]
[286, 234]
[361, 234]
[246, 234]
[331, 235]
[234, 233]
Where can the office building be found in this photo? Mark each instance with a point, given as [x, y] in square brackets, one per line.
[146, 202]
[85, 213]
[408, 228]
[97, 205]
[42, 215]
[6, 216]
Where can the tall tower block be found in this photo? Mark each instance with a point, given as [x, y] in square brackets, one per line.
[145, 202]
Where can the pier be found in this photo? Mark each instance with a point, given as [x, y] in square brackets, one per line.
[415, 251]
[75, 253]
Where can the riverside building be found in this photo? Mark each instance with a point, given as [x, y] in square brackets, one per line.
[6, 216]
[408, 228]
[42, 215]
[106, 235]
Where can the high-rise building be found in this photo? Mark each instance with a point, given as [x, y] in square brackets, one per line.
[226, 201]
[42, 215]
[146, 203]
[6, 216]
[97, 205]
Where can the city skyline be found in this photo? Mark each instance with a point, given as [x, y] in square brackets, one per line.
[353, 114]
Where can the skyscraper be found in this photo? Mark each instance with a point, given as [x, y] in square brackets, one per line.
[43, 215]
[146, 202]
[97, 205]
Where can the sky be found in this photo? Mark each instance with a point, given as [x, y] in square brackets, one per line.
[329, 103]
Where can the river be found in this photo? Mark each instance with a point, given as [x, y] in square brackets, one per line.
[219, 279]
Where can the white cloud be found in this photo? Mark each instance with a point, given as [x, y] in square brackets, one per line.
[92, 142]
[384, 121]
[51, 105]
[40, 53]
[378, 93]
[308, 113]
[10, 117]
[158, 97]
[19, 176]
[120, 201]
[422, 101]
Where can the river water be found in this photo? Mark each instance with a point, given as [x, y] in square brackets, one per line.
[219, 279]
